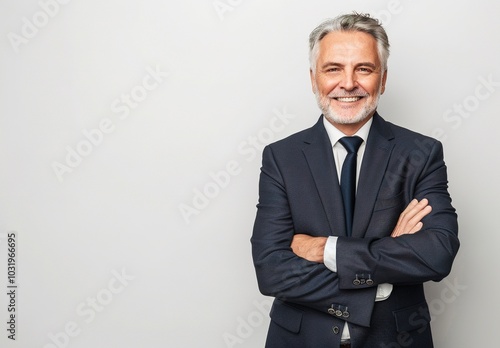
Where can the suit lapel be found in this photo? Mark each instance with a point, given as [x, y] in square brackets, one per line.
[319, 155]
[375, 160]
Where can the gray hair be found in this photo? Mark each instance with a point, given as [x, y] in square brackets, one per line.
[350, 22]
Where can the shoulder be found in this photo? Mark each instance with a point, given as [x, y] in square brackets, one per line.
[297, 140]
[406, 140]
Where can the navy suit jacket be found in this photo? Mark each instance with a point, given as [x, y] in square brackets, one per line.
[299, 192]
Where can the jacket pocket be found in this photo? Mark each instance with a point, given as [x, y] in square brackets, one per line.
[412, 318]
[288, 317]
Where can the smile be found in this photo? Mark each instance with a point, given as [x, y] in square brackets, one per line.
[348, 99]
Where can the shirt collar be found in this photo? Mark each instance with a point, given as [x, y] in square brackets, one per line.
[334, 134]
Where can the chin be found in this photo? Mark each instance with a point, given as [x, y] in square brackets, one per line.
[347, 115]
[335, 117]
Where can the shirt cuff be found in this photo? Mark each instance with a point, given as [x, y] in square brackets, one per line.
[330, 254]
[383, 292]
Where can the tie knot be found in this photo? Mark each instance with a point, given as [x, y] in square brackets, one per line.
[351, 144]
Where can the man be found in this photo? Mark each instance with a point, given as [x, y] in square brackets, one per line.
[341, 280]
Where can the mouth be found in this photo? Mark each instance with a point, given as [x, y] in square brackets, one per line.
[348, 99]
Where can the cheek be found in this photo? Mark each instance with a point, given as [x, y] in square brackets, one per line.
[325, 86]
[371, 86]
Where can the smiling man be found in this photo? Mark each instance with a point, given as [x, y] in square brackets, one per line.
[347, 78]
[354, 214]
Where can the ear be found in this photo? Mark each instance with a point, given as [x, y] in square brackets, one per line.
[313, 81]
[384, 80]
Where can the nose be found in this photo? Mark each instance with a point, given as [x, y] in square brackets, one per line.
[348, 81]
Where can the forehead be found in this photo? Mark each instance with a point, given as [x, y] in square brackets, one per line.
[348, 46]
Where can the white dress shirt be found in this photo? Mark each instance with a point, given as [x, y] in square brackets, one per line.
[339, 154]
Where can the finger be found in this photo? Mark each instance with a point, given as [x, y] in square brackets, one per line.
[418, 217]
[415, 224]
[414, 202]
[422, 213]
[417, 228]
[401, 221]
[411, 216]
[422, 204]
[416, 209]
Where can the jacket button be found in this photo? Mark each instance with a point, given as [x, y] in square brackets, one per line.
[336, 330]
[356, 282]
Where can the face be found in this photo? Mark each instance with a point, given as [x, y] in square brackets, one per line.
[348, 79]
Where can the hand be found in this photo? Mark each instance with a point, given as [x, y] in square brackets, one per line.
[309, 248]
[312, 248]
[410, 219]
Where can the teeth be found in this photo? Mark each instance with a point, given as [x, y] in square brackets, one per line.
[349, 99]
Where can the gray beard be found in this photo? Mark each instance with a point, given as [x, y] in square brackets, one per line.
[332, 116]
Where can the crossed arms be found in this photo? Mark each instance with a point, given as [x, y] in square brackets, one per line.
[410, 221]
[290, 232]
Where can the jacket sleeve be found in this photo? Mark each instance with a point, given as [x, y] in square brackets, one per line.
[282, 274]
[409, 259]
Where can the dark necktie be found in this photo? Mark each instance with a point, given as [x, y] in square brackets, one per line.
[348, 178]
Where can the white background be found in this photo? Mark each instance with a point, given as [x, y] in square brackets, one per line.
[231, 72]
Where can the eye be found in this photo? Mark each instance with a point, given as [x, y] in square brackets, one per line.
[365, 70]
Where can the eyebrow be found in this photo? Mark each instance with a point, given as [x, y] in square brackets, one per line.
[370, 64]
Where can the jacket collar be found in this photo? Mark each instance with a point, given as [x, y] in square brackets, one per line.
[319, 155]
